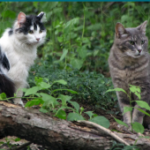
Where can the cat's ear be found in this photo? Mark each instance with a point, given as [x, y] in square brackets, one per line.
[21, 18]
[142, 27]
[42, 17]
[120, 30]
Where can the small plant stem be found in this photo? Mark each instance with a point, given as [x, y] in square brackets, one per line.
[83, 26]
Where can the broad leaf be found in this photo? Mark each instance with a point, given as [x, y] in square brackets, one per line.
[44, 85]
[89, 113]
[43, 110]
[75, 105]
[2, 96]
[116, 89]
[60, 82]
[65, 51]
[136, 90]
[76, 63]
[127, 109]
[120, 122]
[144, 112]
[101, 121]
[61, 114]
[64, 99]
[74, 117]
[137, 127]
[32, 90]
[71, 91]
[143, 104]
[36, 101]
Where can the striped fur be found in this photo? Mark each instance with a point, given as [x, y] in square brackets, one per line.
[129, 63]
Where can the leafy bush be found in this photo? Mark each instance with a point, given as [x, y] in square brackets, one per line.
[91, 87]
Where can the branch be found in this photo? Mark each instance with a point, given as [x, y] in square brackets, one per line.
[34, 126]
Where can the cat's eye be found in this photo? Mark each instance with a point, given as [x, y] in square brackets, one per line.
[142, 42]
[40, 31]
[132, 42]
[31, 31]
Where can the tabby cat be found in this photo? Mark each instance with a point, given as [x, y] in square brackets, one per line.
[129, 64]
[20, 44]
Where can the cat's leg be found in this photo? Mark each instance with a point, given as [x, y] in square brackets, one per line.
[18, 74]
[19, 93]
[124, 102]
[137, 115]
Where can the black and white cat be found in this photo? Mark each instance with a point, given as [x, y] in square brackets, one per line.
[20, 45]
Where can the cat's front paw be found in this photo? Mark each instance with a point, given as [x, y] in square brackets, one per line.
[19, 102]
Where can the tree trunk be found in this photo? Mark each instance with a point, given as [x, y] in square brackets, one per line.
[57, 134]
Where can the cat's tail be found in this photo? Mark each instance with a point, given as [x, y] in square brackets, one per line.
[6, 85]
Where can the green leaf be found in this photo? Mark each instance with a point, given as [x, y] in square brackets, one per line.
[76, 63]
[143, 104]
[43, 110]
[44, 85]
[116, 89]
[47, 98]
[32, 90]
[38, 80]
[35, 4]
[75, 105]
[64, 107]
[71, 91]
[120, 122]
[36, 101]
[64, 99]
[136, 90]
[60, 82]
[8, 14]
[81, 110]
[137, 127]
[2, 96]
[127, 109]
[74, 117]
[82, 52]
[61, 114]
[65, 51]
[17, 139]
[71, 22]
[144, 112]
[89, 113]
[101, 121]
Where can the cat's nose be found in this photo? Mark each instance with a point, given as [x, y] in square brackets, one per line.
[37, 39]
[139, 50]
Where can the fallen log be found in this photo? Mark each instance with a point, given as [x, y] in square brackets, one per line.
[57, 134]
